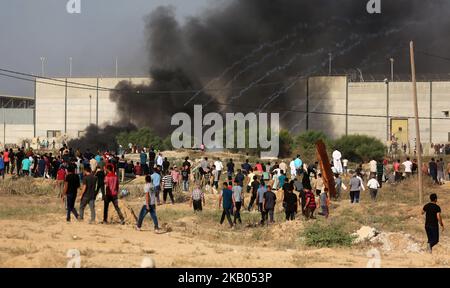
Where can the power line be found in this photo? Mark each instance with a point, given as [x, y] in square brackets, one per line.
[95, 87]
[215, 102]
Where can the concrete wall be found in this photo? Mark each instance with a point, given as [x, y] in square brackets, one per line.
[327, 94]
[440, 102]
[82, 107]
[367, 99]
[368, 105]
[16, 125]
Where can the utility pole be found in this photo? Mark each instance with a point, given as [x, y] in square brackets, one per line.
[329, 63]
[90, 109]
[392, 69]
[117, 67]
[416, 116]
[42, 66]
[70, 67]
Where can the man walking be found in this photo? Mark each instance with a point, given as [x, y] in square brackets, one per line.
[432, 166]
[112, 189]
[433, 219]
[88, 194]
[156, 180]
[71, 185]
[167, 184]
[238, 198]
[355, 188]
[149, 205]
[197, 197]
[268, 205]
[227, 200]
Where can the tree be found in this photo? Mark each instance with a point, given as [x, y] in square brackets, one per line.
[359, 148]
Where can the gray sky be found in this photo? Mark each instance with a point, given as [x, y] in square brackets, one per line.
[104, 30]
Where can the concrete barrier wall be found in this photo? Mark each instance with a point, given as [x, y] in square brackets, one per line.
[327, 94]
[367, 99]
[15, 133]
[82, 108]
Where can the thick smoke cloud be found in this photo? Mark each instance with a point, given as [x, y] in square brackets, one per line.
[245, 54]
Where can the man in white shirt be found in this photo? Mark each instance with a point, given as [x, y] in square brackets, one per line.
[408, 167]
[373, 167]
[219, 167]
[373, 187]
[159, 160]
[345, 164]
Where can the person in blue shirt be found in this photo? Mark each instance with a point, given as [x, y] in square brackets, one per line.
[2, 166]
[282, 179]
[227, 200]
[156, 180]
[143, 158]
[298, 165]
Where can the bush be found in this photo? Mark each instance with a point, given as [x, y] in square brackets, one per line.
[143, 137]
[327, 235]
[286, 143]
[357, 148]
[305, 144]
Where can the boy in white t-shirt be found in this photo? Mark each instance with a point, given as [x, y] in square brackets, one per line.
[149, 204]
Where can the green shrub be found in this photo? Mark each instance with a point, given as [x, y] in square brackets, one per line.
[305, 144]
[326, 235]
[357, 148]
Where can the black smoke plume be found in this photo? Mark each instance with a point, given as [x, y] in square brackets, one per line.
[270, 43]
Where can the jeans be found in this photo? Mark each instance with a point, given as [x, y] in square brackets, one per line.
[157, 190]
[122, 174]
[237, 213]
[227, 212]
[197, 204]
[102, 189]
[144, 212]
[269, 214]
[84, 202]
[71, 206]
[354, 196]
[290, 215]
[115, 201]
[309, 212]
[185, 185]
[432, 235]
[373, 193]
[252, 200]
[168, 191]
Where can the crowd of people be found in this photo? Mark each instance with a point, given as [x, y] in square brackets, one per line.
[298, 186]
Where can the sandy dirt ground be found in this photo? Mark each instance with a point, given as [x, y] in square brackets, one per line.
[31, 237]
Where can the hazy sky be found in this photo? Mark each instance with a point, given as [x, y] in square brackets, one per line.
[104, 30]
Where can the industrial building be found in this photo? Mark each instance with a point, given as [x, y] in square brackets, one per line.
[62, 108]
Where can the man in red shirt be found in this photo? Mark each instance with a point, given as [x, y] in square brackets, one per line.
[137, 169]
[398, 175]
[6, 160]
[112, 191]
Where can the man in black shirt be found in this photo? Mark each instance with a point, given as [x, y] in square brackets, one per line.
[151, 159]
[230, 168]
[166, 165]
[433, 219]
[255, 186]
[239, 178]
[71, 186]
[100, 174]
[88, 193]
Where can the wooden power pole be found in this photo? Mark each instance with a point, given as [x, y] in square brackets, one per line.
[416, 116]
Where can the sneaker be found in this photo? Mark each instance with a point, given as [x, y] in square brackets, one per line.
[122, 222]
[137, 228]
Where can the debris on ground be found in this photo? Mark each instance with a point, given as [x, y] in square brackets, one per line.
[365, 233]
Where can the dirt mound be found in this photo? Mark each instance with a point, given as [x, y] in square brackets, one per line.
[397, 242]
[37, 260]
